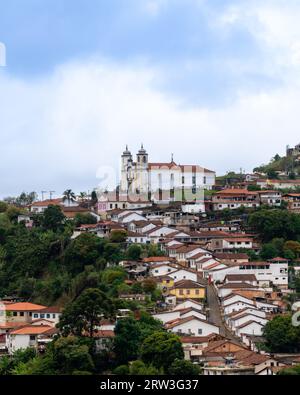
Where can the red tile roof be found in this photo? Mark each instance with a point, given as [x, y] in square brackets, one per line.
[34, 330]
[24, 306]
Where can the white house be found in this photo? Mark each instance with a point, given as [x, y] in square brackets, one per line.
[29, 336]
[184, 274]
[161, 270]
[252, 327]
[193, 326]
[137, 238]
[265, 272]
[129, 217]
[189, 303]
[226, 289]
[179, 314]
[235, 322]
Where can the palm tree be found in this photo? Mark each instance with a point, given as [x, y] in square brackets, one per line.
[69, 195]
[83, 196]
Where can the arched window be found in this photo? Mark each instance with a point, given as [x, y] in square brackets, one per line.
[144, 159]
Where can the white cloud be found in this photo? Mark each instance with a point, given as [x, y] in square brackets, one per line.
[274, 24]
[57, 131]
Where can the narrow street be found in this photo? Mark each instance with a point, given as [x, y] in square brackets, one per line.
[215, 316]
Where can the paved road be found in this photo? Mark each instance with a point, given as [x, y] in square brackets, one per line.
[215, 316]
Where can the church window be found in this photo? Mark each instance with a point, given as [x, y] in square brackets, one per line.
[144, 159]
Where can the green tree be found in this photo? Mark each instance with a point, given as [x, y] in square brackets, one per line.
[118, 236]
[161, 349]
[134, 252]
[111, 275]
[112, 253]
[84, 219]
[181, 367]
[281, 336]
[297, 283]
[85, 312]
[272, 174]
[13, 212]
[94, 197]
[25, 199]
[3, 207]
[53, 218]
[127, 340]
[270, 224]
[71, 355]
[149, 285]
[122, 370]
[69, 196]
[138, 368]
[293, 371]
[293, 246]
[83, 251]
[269, 251]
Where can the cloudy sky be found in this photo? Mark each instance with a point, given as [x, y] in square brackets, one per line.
[216, 82]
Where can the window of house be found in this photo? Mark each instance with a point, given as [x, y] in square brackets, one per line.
[197, 292]
[42, 315]
[22, 314]
[53, 315]
[35, 315]
[32, 337]
[181, 292]
[15, 314]
[200, 331]
[48, 316]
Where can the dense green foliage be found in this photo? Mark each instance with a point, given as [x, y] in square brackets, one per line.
[130, 334]
[286, 163]
[270, 224]
[161, 349]
[293, 371]
[281, 336]
[82, 315]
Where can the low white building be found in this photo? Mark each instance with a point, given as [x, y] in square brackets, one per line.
[184, 274]
[29, 336]
[189, 303]
[162, 270]
[252, 327]
[192, 326]
[266, 273]
[179, 314]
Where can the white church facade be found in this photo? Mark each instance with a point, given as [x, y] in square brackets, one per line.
[162, 182]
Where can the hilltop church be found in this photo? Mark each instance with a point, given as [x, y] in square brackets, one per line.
[162, 182]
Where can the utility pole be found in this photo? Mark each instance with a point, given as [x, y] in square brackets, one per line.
[43, 192]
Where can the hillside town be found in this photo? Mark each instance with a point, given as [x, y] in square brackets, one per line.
[214, 261]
